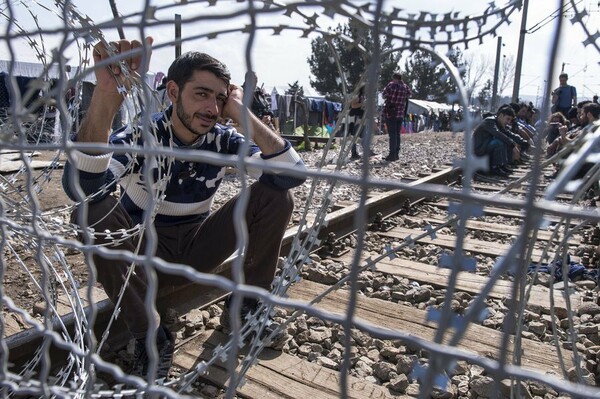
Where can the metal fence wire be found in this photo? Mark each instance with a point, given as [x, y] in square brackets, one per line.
[39, 113]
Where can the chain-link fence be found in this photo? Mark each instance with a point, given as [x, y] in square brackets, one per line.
[40, 112]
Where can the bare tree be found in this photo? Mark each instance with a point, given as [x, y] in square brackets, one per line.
[476, 67]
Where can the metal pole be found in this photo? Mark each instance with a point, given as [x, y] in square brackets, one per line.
[177, 35]
[115, 13]
[496, 73]
[515, 96]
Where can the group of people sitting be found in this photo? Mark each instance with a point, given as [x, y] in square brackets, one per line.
[562, 130]
[506, 138]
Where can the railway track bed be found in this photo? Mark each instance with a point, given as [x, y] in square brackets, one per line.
[395, 296]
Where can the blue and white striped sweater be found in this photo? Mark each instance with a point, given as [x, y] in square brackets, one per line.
[188, 188]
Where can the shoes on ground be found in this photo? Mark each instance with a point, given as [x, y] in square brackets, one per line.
[165, 345]
[276, 336]
[506, 169]
[390, 158]
[497, 171]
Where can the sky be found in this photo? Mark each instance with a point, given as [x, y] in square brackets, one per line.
[281, 60]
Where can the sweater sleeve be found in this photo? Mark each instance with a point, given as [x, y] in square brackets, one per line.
[92, 175]
[279, 180]
[96, 173]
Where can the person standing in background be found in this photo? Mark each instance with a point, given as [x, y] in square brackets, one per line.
[564, 97]
[396, 94]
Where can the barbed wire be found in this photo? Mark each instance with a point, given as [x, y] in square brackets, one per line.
[46, 235]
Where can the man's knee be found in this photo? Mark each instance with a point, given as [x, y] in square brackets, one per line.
[277, 201]
[106, 214]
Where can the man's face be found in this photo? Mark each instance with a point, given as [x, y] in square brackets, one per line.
[523, 112]
[585, 118]
[563, 81]
[581, 117]
[266, 119]
[504, 120]
[198, 105]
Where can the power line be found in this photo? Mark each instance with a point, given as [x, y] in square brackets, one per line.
[552, 16]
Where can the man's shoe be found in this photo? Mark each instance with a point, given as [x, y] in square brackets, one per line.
[390, 158]
[355, 156]
[499, 172]
[250, 306]
[505, 169]
[165, 345]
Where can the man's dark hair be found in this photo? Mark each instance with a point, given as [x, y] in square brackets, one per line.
[184, 66]
[563, 75]
[572, 113]
[525, 105]
[397, 76]
[507, 110]
[593, 109]
[580, 104]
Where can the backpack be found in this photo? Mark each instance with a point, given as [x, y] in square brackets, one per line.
[261, 103]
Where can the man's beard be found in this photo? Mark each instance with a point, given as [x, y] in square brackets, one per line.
[186, 119]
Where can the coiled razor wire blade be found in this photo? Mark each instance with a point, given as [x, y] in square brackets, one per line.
[45, 235]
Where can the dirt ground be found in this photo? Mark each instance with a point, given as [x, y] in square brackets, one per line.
[22, 276]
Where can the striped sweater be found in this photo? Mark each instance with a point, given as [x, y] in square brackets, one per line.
[187, 188]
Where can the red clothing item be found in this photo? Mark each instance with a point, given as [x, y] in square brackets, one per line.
[396, 95]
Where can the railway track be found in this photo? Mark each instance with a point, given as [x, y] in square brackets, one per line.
[419, 227]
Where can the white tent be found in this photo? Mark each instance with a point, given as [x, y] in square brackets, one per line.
[35, 70]
[277, 89]
[420, 106]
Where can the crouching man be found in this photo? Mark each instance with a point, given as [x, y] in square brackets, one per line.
[200, 91]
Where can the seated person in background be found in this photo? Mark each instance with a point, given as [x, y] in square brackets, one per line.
[573, 117]
[491, 139]
[267, 119]
[521, 127]
[569, 133]
[555, 120]
[590, 114]
[524, 119]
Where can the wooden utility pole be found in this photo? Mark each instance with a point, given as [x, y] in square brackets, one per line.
[177, 35]
[515, 96]
[496, 75]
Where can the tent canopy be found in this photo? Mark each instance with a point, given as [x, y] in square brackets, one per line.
[36, 70]
[308, 91]
[420, 106]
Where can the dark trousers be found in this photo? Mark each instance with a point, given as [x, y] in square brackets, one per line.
[394, 126]
[202, 246]
[498, 152]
